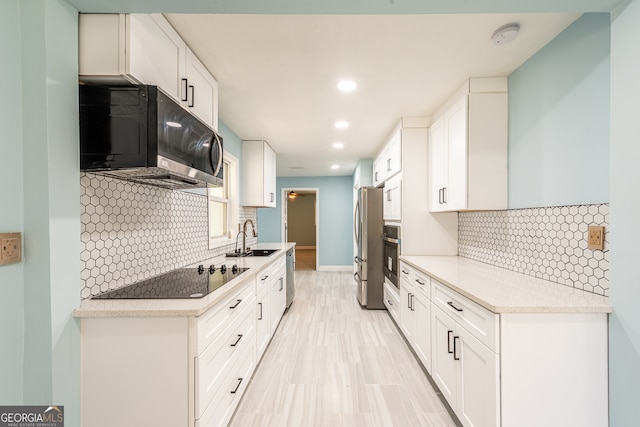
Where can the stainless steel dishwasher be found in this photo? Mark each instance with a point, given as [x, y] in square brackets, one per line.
[291, 266]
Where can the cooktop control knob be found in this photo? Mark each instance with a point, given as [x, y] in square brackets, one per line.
[234, 269]
[223, 269]
[200, 269]
[212, 269]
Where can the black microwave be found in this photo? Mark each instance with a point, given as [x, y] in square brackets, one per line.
[140, 134]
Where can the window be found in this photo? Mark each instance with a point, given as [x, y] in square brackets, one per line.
[223, 205]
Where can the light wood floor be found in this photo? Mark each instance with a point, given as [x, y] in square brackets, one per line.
[305, 259]
[331, 363]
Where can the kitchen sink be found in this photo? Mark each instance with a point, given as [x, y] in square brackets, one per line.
[253, 252]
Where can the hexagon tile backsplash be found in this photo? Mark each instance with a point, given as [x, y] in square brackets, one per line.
[130, 232]
[549, 243]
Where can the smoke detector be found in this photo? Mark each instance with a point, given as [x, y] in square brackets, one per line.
[505, 34]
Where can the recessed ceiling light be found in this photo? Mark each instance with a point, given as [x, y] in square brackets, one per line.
[338, 145]
[342, 124]
[347, 85]
[335, 167]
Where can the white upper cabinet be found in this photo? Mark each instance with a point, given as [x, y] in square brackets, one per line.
[468, 149]
[201, 91]
[389, 161]
[145, 49]
[392, 203]
[258, 175]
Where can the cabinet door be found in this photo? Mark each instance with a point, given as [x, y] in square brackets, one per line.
[201, 91]
[263, 327]
[155, 53]
[269, 176]
[478, 402]
[393, 156]
[392, 205]
[378, 172]
[455, 193]
[278, 301]
[422, 335]
[407, 318]
[443, 365]
[437, 165]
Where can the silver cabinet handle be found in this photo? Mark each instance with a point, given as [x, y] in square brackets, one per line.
[260, 305]
[265, 277]
[389, 301]
[236, 304]
[403, 270]
[420, 282]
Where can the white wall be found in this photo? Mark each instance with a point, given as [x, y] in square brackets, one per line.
[624, 322]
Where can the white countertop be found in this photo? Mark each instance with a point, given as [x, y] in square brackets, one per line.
[183, 307]
[505, 291]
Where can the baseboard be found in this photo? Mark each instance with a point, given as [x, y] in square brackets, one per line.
[334, 268]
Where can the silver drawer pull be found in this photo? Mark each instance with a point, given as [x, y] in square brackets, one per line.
[265, 278]
[450, 303]
[404, 271]
[236, 304]
[237, 341]
[420, 282]
[389, 301]
[237, 387]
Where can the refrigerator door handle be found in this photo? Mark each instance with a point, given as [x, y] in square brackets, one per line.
[356, 222]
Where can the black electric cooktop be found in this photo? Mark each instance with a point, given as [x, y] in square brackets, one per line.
[180, 283]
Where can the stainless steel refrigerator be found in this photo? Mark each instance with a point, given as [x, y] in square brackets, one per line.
[367, 225]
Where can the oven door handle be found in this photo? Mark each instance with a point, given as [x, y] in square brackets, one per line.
[390, 240]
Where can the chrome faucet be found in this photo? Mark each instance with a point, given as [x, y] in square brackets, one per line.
[244, 234]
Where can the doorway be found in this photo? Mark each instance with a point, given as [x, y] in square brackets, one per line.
[300, 225]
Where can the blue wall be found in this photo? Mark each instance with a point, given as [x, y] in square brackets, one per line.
[559, 120]
[624, 322]
[335, 217]
[11, 220]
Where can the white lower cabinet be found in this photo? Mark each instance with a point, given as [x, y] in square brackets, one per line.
[263, 324]
[508, 369]
[466, 371]
[415, 312]
[169, 371]
[392, 300]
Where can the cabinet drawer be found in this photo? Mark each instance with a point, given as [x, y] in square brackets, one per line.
[211, 324]
[265, 277]
[231, 390]
[214, 363]
[392, 300]
[419, 280]
[477, 320]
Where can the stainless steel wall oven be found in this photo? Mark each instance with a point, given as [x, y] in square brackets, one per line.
[391, 239]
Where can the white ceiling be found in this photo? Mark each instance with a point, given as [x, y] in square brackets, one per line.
[277, 74]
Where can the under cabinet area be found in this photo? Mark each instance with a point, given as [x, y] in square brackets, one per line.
[505, 349]
[259, 175]
[468, 148]
[145, 49]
